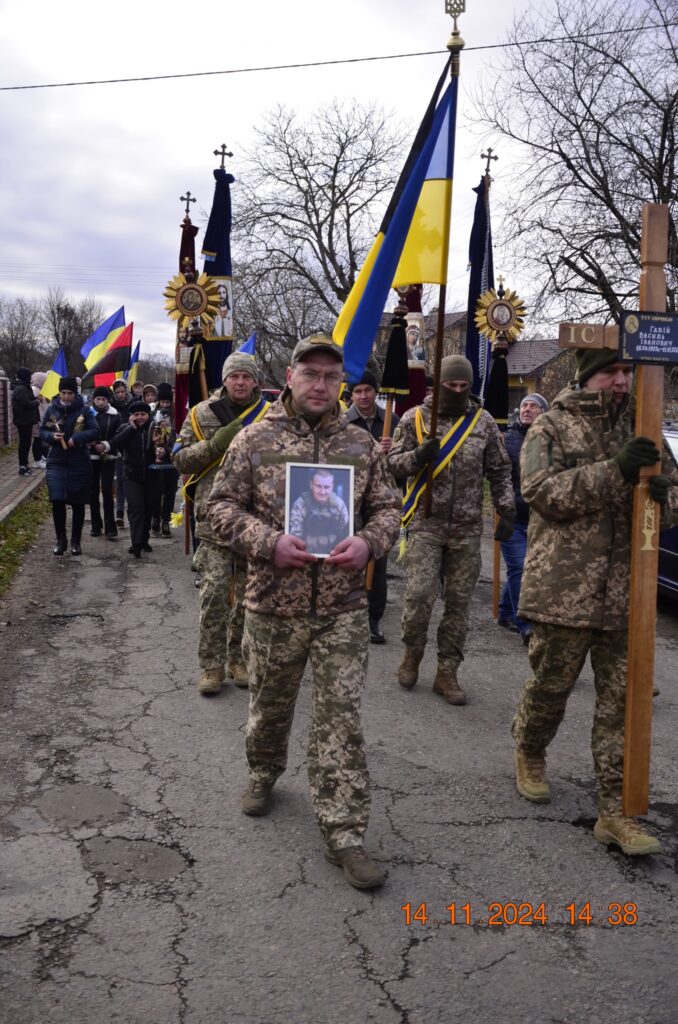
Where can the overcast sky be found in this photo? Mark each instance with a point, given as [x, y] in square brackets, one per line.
[91, 175]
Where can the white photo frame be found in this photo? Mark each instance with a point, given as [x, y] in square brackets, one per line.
[319, 504]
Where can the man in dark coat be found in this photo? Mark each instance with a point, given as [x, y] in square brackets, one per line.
[365, 413]
[24, 415]
[513, 550]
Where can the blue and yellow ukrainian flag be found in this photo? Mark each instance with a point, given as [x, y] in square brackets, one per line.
[412, 244]
[131, 375]
[104, 336]
[50, 387]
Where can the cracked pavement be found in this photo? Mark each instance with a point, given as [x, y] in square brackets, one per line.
[133, 891]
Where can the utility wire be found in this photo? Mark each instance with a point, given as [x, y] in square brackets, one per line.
[330, 63]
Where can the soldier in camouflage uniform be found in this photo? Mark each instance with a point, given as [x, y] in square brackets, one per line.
[205, 436]
[578, 466]
[300, 608]
[447, 544]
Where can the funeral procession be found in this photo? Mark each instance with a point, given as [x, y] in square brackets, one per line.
[339, 513]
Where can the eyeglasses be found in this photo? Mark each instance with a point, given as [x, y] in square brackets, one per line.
[313, 377]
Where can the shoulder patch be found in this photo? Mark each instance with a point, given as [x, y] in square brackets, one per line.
[397, 434]
[532, 459]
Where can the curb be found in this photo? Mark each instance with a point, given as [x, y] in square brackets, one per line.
[37, 479]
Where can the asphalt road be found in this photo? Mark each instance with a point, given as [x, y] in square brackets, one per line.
[132, 890]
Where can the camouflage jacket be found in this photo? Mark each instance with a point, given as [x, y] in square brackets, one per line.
[579, 539]
[200, 456]
[457, 501]
[247, 509]
[321, 525]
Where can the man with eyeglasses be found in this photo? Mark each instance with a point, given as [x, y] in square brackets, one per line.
[301, 608]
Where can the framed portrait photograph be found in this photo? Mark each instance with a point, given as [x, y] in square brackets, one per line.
[319, 505]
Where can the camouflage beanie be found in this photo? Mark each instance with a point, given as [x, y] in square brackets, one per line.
[591, 360]
[456, 368]
[239, 363]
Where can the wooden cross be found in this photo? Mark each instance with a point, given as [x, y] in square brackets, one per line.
[488, 156]
[645, 525]
[223, 153]
[188, 199]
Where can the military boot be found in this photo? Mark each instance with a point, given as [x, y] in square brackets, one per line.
[531, 777]
[210, 681]
[256, 799]
[445, 684]
[627, 834]
[239, 675]
[359, 870]
[408, 670]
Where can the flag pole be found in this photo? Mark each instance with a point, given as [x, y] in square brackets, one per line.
[455, 45]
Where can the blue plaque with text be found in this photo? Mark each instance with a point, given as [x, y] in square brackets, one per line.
[649, 337]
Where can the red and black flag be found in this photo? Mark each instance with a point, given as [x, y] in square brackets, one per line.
[116, 359]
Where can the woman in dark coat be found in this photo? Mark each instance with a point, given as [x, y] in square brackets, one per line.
[68, 427]
[24, 415]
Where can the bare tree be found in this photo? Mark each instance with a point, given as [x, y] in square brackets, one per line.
[19, 336]
[592, 100]
[306, 210]
[66, 324]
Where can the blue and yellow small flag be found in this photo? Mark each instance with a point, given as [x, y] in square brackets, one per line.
[100, 341]
[50, 387]
[248, 348]
[412, 244]
[131, 375]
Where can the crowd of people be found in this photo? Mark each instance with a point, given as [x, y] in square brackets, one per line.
[282, 570]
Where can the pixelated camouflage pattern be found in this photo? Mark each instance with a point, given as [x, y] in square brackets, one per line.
[277, 651]
[321, 524]
[557, 655]
[221, 612]
[457, 559]
[579, 537]
[195, 455]
[457, 501]
[247, 508]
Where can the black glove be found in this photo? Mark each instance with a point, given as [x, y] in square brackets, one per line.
[505, 526]
[224, 435]
[658, 486]
[427, 452]
[639, 451]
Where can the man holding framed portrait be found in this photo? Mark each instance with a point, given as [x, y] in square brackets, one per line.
[309, 605]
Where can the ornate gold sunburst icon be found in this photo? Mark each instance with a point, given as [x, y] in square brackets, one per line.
[190, 299]
[500, 315]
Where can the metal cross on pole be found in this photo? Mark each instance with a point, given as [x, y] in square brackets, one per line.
[488, 156]
[223, 153]
[188, 199]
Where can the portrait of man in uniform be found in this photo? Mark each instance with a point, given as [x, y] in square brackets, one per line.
[319, 505]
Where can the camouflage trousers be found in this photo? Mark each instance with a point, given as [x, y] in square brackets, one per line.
[455, 560]
[221, 612]
[557, 656]
[277, 651]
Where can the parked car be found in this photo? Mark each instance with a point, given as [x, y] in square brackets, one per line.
[667, 579]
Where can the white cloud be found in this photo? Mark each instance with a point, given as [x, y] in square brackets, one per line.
[91, 176]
